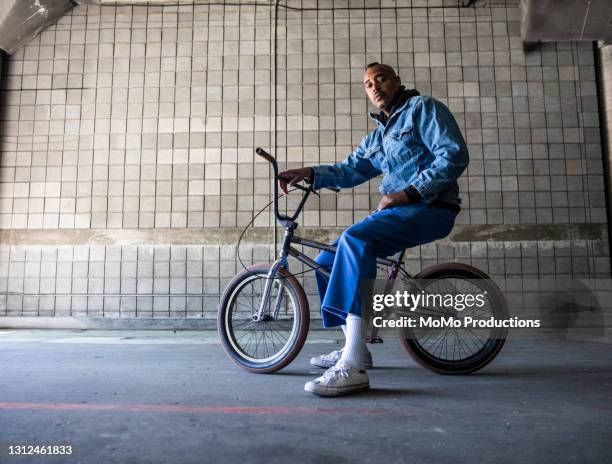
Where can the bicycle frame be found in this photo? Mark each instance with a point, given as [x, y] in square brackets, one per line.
[286, 250]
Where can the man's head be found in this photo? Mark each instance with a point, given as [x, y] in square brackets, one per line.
[381, 84]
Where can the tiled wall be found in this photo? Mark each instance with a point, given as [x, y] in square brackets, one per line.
[147, 117]
[185, 281]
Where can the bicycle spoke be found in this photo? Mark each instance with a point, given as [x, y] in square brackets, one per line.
[451, 343]
[267, 338]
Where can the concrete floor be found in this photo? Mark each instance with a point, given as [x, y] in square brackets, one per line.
[148, 397]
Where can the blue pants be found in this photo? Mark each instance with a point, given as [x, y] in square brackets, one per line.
[381, 234]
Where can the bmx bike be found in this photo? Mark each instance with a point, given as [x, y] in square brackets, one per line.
[263, 315]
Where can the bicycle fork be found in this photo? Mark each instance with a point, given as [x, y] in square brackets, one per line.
[271, 279]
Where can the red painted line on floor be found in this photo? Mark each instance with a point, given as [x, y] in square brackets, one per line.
[196, 409]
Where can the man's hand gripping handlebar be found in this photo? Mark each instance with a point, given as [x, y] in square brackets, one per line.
[291, 178]
[288, 178]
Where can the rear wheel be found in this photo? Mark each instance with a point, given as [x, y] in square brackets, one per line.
[271, 343]
[452, 350]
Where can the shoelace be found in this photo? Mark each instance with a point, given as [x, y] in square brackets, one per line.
[331, 356]
[334, 370]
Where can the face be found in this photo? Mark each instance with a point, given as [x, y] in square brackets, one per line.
[381, 84]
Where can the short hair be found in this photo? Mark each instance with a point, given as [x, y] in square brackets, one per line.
[386, 67]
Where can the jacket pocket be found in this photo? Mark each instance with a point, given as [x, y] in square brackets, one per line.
[406, 134]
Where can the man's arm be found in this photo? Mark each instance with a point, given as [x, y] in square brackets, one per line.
[354, 170]
[439, 132]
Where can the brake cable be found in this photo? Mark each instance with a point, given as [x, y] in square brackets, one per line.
[244, 266]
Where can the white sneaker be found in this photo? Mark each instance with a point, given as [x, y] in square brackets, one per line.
[328, 360]
[340, 379]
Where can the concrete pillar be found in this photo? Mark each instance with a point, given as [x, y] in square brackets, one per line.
[2, 59]
[603, 60]
[605, 70]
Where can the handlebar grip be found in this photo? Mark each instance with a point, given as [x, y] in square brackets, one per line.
[265, 155]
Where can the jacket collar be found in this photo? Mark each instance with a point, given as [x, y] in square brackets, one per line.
[400, 101]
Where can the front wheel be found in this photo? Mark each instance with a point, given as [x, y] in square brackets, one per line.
[451, 350]
[269, 343]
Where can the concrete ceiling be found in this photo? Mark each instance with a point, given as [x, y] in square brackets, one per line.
[542, 20]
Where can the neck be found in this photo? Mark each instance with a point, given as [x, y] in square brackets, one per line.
[396, 97]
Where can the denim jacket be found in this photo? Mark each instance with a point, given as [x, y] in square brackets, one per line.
[420, 145]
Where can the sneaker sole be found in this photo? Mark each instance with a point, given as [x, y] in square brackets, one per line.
[329, 392]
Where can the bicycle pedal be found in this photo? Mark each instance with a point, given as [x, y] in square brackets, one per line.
[373, 340]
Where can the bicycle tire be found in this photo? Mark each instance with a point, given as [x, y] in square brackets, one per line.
[489, 350]
[226, 329]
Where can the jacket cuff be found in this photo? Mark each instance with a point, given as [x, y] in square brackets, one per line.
[317, 177]
[425, 193]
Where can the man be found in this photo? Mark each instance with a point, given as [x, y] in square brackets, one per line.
[420, 151]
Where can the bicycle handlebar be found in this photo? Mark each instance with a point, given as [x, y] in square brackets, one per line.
[267, 156]
[281, 217]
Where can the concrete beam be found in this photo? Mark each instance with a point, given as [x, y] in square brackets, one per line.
[263, 235]
[154, 2]
[566, 20]
[22, 20]
[109, 323]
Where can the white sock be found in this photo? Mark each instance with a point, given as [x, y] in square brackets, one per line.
[354, 348]
[364, 346]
